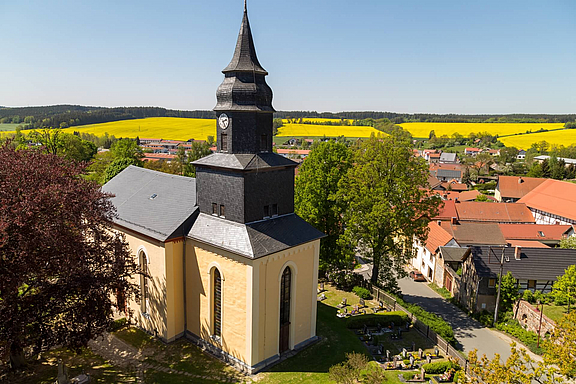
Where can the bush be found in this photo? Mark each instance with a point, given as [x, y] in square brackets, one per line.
[460, 377]
[409, 375]
[384, 319]
[484, 317]
[362, 293]
[513, 328]
[344, 280]
[435, 322]
[528, 296]
[440, 367]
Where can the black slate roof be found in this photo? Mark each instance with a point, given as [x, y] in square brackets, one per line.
[534, 264]
[245, 161]
[454, 253]
[254, 240]
[155, 204]
[244, 58]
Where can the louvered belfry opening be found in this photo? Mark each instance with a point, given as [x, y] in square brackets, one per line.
[217, 284]
[285, 292]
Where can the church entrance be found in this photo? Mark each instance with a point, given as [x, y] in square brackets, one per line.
[285, 310]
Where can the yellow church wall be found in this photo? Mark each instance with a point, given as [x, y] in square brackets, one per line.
[174, 289]
[200, 260]
[155, 320]
[303, 260]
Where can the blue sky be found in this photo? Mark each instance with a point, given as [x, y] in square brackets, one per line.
[325, 55]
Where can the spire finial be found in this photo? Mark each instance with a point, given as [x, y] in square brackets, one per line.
[245, 7]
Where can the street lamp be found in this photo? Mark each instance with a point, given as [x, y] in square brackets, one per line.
[540, 325]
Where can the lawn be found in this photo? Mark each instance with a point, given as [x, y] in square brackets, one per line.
[555, 312]
[423, 129]
[8, 127]
[45, 369]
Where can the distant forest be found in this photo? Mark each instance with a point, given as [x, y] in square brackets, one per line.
[64, 116]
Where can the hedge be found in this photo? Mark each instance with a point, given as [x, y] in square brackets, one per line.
[362, 293]
[530, 339]
[440, 367]
[435, 322]
[385, 319]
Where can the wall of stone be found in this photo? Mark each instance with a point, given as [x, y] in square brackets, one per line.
[529, 317]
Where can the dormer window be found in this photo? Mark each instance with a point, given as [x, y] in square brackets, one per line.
[215, 209]
[540, 233]
[274, 210]
[266, 211]
[221, 210]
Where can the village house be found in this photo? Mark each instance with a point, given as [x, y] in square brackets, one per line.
[448, 158]
[228, 264]
[472, 151]
[494, 212]
[425, 257]
[521, 155]
[535, 269]
[552, 202]
[468, 234]
[530, 235]
[510, 189]
[449, 262]
[446, 172]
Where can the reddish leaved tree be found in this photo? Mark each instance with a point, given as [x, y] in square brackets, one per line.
[61, 264]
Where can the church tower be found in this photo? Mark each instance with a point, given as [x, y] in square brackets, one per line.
[244, 181]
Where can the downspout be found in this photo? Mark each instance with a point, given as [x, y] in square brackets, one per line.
[265, 301]
[184, 287]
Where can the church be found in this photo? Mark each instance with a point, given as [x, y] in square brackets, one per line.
[230, 266]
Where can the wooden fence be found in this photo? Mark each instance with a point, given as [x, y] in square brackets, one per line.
[424, 329]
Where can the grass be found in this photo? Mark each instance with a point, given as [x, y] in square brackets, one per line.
[423, 129]
[312, 130]
[555, 312]
[441, 291]
[45, 369]
[9, 127]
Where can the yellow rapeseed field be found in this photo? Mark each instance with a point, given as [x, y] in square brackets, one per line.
[170, 128]
[315, 120]
[311, 130]
[423, 129]
[564, 137]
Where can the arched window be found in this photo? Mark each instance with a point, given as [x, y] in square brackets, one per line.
[285, 285]
[144, 300]
[217, 302]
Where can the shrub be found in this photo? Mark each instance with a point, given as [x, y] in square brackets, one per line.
[484, 317]
[440, 367]
[435, 322]
[345, 280]
[409, 375]
[528, 296]
[362, 293]
[513, 328]
[384, 319]
[460, 377]
[406, 361]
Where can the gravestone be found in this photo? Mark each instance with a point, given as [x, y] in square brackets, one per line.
[422, 374]
[387, 355]
[428, 359]
[413, 347]
[420, 353]
[321, 286]
[62, 373]
[411, 361]
[436, 351]
[362, 303]
[404, 353]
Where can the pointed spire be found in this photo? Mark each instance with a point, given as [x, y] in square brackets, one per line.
[245, 59]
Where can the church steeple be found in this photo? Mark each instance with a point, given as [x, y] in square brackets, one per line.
[244, 100]
[245, 58]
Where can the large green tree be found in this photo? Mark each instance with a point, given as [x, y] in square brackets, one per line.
[316, 199]
[564, 289]
[388, 204]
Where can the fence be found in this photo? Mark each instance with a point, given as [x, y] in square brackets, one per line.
[424, 329]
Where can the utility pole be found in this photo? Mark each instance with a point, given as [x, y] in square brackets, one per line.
[499, 287]
[540, 326]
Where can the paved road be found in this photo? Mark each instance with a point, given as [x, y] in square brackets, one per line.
[469, 333]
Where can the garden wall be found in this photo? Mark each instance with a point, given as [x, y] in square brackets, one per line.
[529, 318]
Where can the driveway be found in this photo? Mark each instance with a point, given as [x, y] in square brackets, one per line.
[469, 333]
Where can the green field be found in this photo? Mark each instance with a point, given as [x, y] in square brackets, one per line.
[423, 129]
[8, 127]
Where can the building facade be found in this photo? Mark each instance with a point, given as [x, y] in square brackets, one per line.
[226, 263]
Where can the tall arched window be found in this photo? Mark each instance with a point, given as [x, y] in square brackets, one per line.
[217, 302]
[144, 283]
[285, 293]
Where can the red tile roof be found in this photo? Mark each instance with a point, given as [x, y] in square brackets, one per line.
[282, 151]
[469, 233]
[553, 196]
[526, 244]
[455, 186]
[158, 156]
[494, 212]
[437, 237]
[461, 196]
[447, 211]
[517, 187]
[534, 231]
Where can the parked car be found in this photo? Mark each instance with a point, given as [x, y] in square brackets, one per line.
[416, 276]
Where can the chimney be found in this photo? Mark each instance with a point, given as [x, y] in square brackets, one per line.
[520, 181]
[439, 222]
[517, 252]
[452, 220]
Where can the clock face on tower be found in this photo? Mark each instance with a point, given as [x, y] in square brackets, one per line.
[223, 121]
